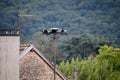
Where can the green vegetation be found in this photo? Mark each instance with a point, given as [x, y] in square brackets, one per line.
[105, 66]
[90, 24]
[100, 17]
[84, 45]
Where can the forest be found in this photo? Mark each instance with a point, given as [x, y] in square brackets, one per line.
[90, 24]
[93, 30]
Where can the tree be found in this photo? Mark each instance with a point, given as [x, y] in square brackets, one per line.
[105, 66]
[84, 45]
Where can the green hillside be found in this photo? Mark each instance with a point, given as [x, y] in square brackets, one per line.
[98, 18]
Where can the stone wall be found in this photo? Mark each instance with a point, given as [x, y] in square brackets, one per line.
[32, 67]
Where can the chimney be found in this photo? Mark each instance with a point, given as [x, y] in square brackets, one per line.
[9, 54]
[75, 74]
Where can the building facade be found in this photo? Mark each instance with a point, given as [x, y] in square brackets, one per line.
[23, 62]
[9, 54]
[34, 66]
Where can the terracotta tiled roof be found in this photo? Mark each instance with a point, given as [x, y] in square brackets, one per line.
[23, 47]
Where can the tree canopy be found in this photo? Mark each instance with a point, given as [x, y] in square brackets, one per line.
[100, 17]
[105, 66]
[93, 17]
[84, 45]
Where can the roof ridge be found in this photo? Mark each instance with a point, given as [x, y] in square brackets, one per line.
[22, 53]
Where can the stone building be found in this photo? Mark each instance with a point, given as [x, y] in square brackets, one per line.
[34, 66]
[23, 62]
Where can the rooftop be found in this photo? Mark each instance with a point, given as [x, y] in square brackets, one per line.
[25, 48]
[9, 31]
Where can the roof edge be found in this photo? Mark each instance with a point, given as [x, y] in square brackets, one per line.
[23, 53]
